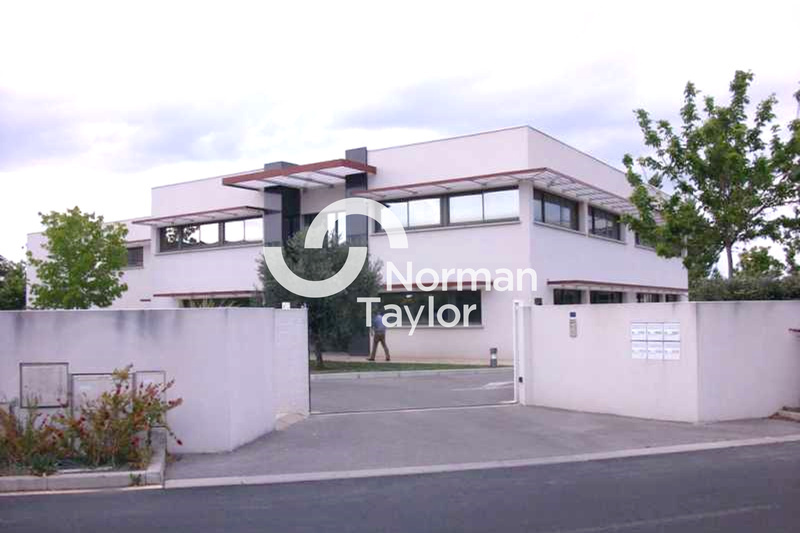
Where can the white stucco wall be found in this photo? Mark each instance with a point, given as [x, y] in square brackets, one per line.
[595, 372]
[750, 362]
[226, 362]
[738, 360]
[201, 195]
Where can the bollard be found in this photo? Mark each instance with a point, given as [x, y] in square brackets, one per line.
[493, 357]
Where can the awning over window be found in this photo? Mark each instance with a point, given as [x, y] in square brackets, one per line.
[202, 217]
[613, 286]
[310, 176]
[207, 295]
[542, 178]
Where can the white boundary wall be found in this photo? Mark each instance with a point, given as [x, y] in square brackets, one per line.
[235, 368]
[738, 360]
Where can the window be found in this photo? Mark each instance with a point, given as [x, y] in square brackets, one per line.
[135, 257]
[410, 302]
[552, 209]
[566, 296]
[427, 212]
[213, 234]
[605, 297]
[337, 223]
[672, 298]
[483, 206]
[647, 297]
[476, 207]
[499, 205]
[604, 224]
[466, 208]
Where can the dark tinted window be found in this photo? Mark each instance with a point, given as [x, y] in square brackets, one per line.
[604, 224]
[605, 297]
[136, 256]
[556, 210]
[566, 296]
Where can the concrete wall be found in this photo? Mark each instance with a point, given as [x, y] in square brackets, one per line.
[749, 361]
[200, 195]
[595, 372]
[738, 360]
[234, 368]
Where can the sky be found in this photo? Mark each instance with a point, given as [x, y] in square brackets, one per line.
[100, 101]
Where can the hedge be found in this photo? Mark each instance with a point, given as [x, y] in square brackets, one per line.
[743, 288]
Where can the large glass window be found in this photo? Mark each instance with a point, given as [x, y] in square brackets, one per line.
[466, 208]
[604, 224]
[672, 298]
[498, 205]
[212, 234]
[414, 300]
[566, 296]
[483, 206]
[605, 297]
[426, 212]
[556, 210]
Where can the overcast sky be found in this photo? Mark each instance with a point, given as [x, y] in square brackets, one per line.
[99, 103]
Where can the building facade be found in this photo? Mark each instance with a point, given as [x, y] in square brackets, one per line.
[511, 199]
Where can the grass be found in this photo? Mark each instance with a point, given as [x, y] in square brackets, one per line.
[381, 366]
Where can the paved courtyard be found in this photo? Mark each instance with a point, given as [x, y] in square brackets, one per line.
[332, 394]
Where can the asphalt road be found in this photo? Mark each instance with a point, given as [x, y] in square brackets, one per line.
[739, 490]
[386, 393]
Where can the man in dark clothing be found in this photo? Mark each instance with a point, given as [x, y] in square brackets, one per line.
[378, 336]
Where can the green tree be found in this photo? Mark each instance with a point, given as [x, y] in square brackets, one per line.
[728, 179]
[756, 262]
[12, 284]
[333, 319]
[84, 262]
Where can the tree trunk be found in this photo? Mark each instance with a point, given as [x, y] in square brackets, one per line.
[729, 254]
[318, 353]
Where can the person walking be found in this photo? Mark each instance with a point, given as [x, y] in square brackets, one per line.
[378, 336]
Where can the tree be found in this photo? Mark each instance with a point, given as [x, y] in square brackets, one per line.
[84, 262]
[728, 180]
[758, 263]
[333, 319]
[12, 284]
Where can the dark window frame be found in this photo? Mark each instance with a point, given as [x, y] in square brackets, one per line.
[138, 262]
[543, 196]
[614, 297]
[596, 213]
[562, 296]
[180, 246]
[648, 297]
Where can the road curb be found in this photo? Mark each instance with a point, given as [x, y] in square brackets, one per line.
[272, 479]
[406, 373]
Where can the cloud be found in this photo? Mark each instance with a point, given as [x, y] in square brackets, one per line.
[41, 130]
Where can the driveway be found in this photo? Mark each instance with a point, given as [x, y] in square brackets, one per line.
[357, 441]
[381, 392]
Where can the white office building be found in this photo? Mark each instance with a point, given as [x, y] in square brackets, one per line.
[508, 199]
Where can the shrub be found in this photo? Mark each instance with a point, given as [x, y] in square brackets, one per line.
[115, 429]
[29, 445]
[746, 288]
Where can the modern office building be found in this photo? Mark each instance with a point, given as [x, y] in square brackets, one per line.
[512, 199]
